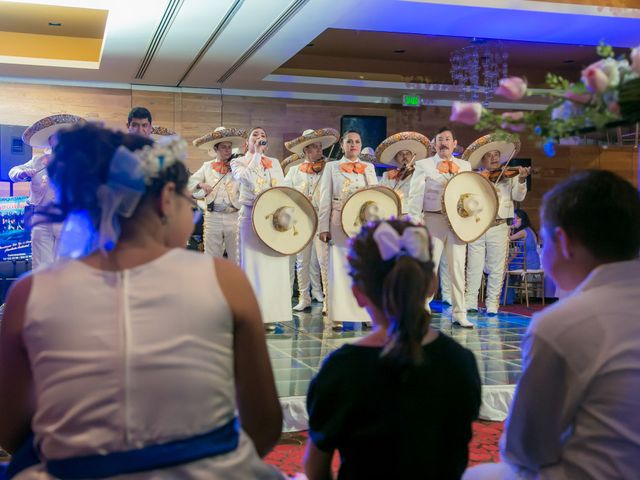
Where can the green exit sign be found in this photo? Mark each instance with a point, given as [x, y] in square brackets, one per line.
[411, 101]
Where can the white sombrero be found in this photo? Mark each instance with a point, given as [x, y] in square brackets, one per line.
[367, 155]
[37, 135]
[413, 141]
[470, 203]
[160, 132]
[369, 205]
[237, 137]
[291, 161]
[507, 145]
[325, 136]
[284, 220]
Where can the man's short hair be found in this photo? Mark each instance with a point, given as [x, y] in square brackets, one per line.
[446, 128]
[599, 209]
[139, 112]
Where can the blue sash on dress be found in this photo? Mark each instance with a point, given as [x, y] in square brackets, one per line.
[219, 441]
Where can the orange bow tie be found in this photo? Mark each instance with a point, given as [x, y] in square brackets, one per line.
[400, 173]
[266, 163]
[309, 167]
[221, 167]
[351, 167]
[447, 166]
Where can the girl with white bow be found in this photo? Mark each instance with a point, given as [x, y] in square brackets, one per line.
[388, 384]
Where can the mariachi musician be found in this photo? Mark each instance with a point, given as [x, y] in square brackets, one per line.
[214, 184]
[488, 155]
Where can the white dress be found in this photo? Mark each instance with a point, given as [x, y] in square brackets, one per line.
[335, 187]
[268, 271]
[124, 360]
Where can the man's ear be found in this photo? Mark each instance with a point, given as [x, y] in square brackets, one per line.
[565, 245]
[361, 298]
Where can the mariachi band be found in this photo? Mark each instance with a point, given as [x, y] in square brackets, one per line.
[277, 220]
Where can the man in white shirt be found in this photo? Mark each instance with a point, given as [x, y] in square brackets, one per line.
[215, 186]
[576, 411]
[44, 234]
[489, 252]
[428, 182]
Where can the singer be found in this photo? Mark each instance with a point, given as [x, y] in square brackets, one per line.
[214, 184]
[268, 271]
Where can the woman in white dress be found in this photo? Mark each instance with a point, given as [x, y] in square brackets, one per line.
[339, 180]
[129, 360]
[267, 270]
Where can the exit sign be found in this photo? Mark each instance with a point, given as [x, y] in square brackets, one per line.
[411, 101]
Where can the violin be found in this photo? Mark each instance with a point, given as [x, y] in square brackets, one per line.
[505, 172]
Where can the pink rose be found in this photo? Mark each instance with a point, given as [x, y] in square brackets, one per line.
[581, 98]
[465, 112]
[513, 121]
[512, 88]
[601, 75]
[635, 60]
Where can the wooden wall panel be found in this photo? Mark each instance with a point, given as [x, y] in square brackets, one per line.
[194, 114]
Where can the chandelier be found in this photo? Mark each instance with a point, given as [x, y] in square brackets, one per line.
[477, 68]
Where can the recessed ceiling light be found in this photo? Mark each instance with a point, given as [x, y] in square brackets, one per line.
[361, 76]
[399, 51]
[55, 24]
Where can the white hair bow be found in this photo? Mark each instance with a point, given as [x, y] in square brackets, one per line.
[414, 242]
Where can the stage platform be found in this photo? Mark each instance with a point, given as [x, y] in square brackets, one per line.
[298, 347]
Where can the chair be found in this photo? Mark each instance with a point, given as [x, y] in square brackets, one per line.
[517, 267]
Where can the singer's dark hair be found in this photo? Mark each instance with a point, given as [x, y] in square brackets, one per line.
[398, 287]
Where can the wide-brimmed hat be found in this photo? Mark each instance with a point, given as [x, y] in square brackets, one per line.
[237, 137]
[325, 136]
[159, 132]
[507, 145]
[415, 142]
[367, 155]
[291, 161]
[284, 220]
[470, 203]
[369, 205]
[37, 135]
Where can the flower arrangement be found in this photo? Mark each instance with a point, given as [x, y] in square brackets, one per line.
[608, 95]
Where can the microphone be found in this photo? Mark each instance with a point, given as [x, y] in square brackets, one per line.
[262, 142]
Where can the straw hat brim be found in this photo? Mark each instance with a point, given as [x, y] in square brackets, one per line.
[237, 137]
[37, 135]
[160, 132]
[508, 148]
[305, 217]
[387, 201]
[290, 162]
[415, 142]
[325, 136]
[469, 229]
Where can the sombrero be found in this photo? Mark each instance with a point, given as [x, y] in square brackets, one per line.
[413, 141]
[284, 220]
[325, 136]
[236, 136]
[37, 135]
[470, 203]
[368, 205]
[291, 161]
[159, 132]
[507, 145]
[367, 155]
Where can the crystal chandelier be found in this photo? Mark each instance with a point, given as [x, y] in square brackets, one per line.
[477, 68]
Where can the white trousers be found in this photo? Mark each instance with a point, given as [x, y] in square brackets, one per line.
[488, 253]
[220, 233]
[44, 243]
[444, 240]
[308, 263]
[445, 281]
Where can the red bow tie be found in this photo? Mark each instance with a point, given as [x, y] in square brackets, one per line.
[309, 167]
[351, 167]
[221, 167]
[447, 166]
[266, 163]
